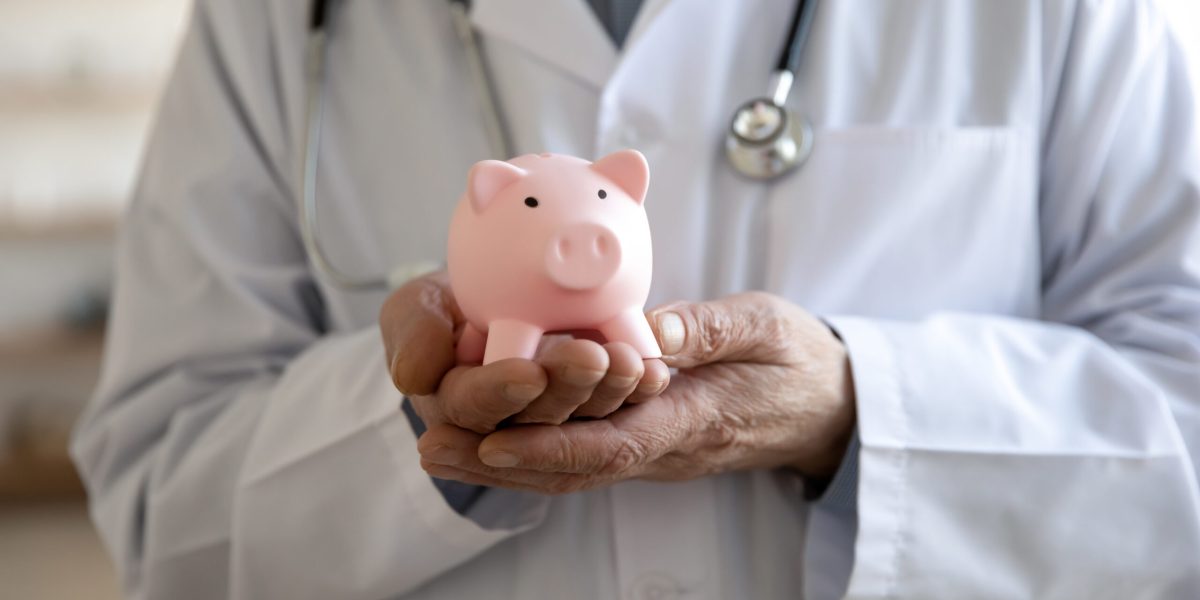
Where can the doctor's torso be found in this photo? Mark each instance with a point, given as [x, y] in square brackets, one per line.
[921, 195]
[925, 159]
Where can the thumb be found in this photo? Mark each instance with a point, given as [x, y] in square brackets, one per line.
[744, 327]
[418, 323]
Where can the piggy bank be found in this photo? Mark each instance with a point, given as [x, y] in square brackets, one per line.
[548, 242]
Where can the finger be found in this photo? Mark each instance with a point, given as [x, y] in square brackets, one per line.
[456, 474]
[428, 409]
[625, 370]
[616, 446]
[418, 323]
[451, 452]
[573, 368]
[655, 378]
[538, 480]
[527, 481]
[548, 483]
[457, 448]
[478, 398]
[449, 445]
[743, 327]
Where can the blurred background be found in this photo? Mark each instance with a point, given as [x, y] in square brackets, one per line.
[79, 81]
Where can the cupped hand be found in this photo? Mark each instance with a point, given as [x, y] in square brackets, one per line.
[420, 324]
[761, 384]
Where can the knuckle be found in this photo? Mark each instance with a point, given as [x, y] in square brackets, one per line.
[421, 292]
[566, 453]
[767, 318]
[450, 410]
[464, 415]
[626, 455]
[775, 332]
[712, 331]
[427, 409]
[568, 456]
[722, 434]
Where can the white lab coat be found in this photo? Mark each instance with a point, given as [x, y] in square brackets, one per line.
[1000, 217]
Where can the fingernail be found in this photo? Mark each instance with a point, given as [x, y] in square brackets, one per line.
[622, 382]
[442, 455]
[670, 332]
[500, 459]
[658, 386]
[522, 391]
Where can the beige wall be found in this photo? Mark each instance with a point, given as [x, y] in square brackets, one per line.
[78, 80]
[78, 83]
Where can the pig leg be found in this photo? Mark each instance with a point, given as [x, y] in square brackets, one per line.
[470, 346]
[507, 338]
[632, 328]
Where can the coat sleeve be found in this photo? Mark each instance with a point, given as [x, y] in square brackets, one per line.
[234, 448]
[1054, 458]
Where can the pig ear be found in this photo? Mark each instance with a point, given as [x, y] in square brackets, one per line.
[487, 178]
[628, 169]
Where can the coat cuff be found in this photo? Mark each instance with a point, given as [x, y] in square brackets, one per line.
[460, 496]
[880, 471]
[840, 494]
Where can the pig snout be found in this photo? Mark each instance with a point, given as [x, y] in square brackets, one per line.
[583, 256]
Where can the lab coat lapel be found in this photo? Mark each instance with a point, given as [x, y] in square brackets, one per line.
[649, 11]
[685, 66]
[564, 34]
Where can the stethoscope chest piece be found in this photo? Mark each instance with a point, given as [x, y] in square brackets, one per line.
[766, 140]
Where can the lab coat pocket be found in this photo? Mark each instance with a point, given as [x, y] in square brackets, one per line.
[899, 222]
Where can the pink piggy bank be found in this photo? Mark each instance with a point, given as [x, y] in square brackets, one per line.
[550, 242]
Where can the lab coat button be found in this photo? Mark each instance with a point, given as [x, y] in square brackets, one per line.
[656, 586]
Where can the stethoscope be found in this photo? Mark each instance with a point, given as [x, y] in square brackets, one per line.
[765, 139]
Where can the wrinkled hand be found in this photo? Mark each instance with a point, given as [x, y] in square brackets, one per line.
[761, 384]
[421, 322]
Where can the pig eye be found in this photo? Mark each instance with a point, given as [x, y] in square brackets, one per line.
[531, 202]
[603, 194]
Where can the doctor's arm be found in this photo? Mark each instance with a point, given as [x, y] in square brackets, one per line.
[236, 447]
[1056, 458]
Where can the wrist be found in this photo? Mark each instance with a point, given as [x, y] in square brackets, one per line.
[833, 416]
[822, 461]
